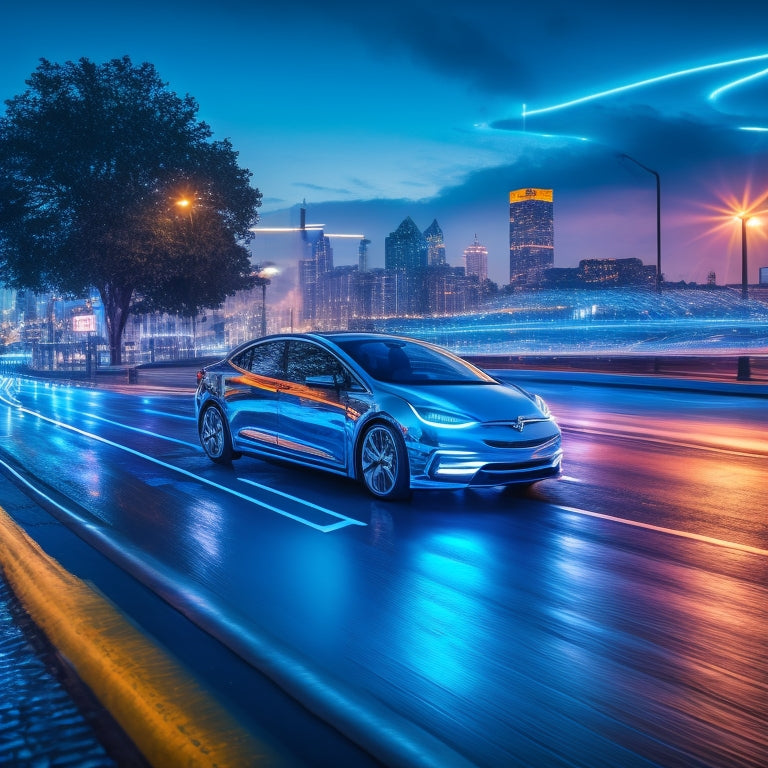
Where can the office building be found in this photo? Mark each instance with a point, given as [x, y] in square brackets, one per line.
[476, 261]
[362, 254]
[317, 259]
[433, 234]
[405, 248]
[531, 236]
[405, 251]
[601, 273]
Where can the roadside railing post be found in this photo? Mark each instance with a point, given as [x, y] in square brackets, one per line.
[744, 372]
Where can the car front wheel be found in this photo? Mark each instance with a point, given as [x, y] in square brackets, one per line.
[384, 463]
[214, 436]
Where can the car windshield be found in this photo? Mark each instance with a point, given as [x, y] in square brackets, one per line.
[406, 362]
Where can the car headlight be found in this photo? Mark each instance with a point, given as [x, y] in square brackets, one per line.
[434, 417]
[542, 406]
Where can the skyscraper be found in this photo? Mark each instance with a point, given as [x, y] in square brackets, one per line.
[531, 235]
[317, 259]
[435, 245]
[405, 248]
[405, 252]
[476, 260]
[362, 254]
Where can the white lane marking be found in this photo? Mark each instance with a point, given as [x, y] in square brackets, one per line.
[343, 522]
[670, 531]
[37, 491]
[137, 429]
[300, 501]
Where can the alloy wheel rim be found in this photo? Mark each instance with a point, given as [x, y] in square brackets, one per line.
[212, 432]
[379, 461]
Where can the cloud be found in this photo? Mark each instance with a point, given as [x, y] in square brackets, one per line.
[324, 190]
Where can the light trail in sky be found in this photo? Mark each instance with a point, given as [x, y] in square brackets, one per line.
[312, 227]
[655, 80]
[728, 86]
[307, 228]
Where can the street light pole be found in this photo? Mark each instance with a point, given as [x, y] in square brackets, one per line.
[744, 372]
[658, 217]
[744, 271]
[262, 274]
[264, 283]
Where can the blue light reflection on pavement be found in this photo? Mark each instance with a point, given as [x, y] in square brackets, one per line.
[548, 625]
[341, 520]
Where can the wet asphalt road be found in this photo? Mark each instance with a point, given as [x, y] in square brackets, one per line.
[616, 616]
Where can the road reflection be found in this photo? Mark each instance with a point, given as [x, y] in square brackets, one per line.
[609, 621]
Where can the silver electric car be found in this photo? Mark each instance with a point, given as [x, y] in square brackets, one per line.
[393, 412]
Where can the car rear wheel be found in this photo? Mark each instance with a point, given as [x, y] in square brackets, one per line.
[384, 463]
[214, 436]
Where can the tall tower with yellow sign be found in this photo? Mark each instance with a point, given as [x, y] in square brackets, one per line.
[531, 236]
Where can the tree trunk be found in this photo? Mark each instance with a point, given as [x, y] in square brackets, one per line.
[117, 302]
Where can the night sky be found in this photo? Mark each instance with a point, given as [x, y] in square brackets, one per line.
[371, 112]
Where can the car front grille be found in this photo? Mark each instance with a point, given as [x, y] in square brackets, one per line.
[537, 443]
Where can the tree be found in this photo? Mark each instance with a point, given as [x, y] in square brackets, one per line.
[108, 180]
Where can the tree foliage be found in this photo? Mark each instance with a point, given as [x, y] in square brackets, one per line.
[96, 163]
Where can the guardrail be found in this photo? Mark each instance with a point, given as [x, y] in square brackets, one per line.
[717, 368]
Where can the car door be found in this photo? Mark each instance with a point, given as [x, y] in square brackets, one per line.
[252, 395]
[312, 411]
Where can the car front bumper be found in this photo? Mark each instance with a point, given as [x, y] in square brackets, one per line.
[445, 468]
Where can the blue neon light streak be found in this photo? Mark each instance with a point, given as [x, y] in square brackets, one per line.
[728, 86]
[653, 81]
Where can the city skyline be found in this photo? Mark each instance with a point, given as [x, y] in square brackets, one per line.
[435, 111]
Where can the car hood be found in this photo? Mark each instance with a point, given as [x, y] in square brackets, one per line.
[480, 402]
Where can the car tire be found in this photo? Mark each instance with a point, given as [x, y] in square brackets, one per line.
[214, 436]
[384, 463]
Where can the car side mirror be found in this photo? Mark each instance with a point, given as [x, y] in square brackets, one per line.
[324, 382]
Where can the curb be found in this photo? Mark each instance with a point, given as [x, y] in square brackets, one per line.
[171, 721]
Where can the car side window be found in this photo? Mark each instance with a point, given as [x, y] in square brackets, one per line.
[263, 359]
[306, 360]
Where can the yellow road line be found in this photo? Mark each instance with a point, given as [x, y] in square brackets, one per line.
[168, 716]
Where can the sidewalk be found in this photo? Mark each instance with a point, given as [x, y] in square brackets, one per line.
[42, 720]
[48, 717]
[81, 684]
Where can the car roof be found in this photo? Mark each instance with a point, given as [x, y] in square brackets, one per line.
[337, 336]
[334, 337]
